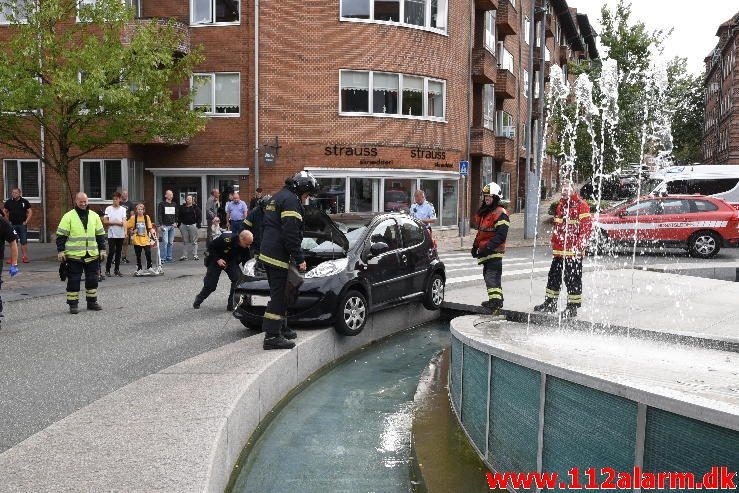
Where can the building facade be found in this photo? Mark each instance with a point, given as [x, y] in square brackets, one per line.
[377, 98]
[721, 123]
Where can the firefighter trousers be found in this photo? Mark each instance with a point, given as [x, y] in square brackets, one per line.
[276, 312]
[572, 277]
[213, 274]
[492, 272]
[74, 279]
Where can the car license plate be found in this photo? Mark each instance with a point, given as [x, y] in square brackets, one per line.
[259, 300]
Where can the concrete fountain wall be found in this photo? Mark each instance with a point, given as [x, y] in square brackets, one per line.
[548, 400]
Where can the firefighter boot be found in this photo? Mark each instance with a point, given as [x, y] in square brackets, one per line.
[570, 311]
[492, 306]
[94, 306]
[74, 309]
[277, 342]
[287, 332]
[549, 306]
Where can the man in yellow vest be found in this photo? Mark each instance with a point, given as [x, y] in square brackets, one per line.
[80, 241]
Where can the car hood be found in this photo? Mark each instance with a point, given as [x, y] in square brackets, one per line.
[318, 225]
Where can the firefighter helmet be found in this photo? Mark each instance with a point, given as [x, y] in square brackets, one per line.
[264, 201]
[492, 189]
[303, 182]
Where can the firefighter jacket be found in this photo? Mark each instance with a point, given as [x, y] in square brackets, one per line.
[253, 222]
[572, 225]
[492, 231]
[282, 230]
[226, 247]
[80, 235]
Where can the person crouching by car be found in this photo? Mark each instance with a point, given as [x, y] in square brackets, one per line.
[225, 253]
[141, 225]
[488, 248]
[282, 236]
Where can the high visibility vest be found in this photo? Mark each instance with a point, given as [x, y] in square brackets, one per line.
[80, 242]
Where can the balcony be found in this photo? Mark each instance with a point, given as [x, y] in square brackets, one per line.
[507, 19]
[505, 85]
[547, 62]
[482, 142]
[182, 30]
[505, 149]
[483, 5]
[484, 66]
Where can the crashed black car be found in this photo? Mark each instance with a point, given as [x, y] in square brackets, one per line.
[388, 260]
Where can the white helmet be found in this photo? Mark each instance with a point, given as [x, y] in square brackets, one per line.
[492, 189]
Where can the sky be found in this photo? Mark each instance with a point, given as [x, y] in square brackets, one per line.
[694, 28]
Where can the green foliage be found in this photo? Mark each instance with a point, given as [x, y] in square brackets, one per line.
[686, 96]
[104, 79]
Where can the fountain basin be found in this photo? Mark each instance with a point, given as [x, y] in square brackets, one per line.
[548, 399]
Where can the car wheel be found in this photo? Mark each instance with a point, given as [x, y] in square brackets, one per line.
[434, 293]
[705, 244]
[352, 313]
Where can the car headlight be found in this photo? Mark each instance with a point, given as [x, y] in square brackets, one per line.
[328, 268]
[248, 268]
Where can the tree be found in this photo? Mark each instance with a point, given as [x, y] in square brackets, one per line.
[685, 94]
[104, 79]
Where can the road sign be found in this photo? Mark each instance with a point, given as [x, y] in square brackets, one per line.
[464, 168]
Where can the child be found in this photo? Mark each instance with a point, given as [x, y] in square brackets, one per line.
[141, 225]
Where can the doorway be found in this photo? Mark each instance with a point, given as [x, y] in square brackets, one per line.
[182, 186]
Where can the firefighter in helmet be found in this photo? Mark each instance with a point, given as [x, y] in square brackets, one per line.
[492, 224]
[572, 226]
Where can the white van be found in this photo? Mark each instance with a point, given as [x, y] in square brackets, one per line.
[720, 181]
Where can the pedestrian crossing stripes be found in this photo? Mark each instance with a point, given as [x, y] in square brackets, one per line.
[462, 267]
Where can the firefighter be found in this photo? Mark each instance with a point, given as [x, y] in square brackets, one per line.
[253, 222]
[80, 241]
[282, 235]
[225, 253]
[492, 224]
[572, 225]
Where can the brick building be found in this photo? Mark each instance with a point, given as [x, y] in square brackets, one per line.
[721, 123]
[375, 97]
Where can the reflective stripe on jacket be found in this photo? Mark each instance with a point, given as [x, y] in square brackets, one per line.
[572, 225]
[80, 242]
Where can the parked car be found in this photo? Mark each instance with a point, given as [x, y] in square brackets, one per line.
[387, 261]
[700, 224]
[719, 181]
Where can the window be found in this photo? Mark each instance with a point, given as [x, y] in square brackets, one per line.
[505, 59]
[331, 195]
[504, 181]
[673, 206]
[100, 178]
[425, 14]
[525, 77]
[487, 169]
[647, 207]
[450, 194]
[214, 11]
[488, 106]
[398, 194]
[385, 93]
[505, 127]
[386, 232]
[217, 94]
[135, 180]
[378, 93]
[135, 5]
[704, 206]
[431, 189]
[490, 16]
[17, 12]
[412, 233]
[364, 194]
[537, 74]
[527, 30]
[538, 35]
[23, 174]
[413, 96]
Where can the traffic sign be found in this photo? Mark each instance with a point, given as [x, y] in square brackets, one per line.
[464, 168]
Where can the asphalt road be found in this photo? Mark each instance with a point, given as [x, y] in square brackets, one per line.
[53, 363]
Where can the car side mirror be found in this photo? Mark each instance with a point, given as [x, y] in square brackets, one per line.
[379, 247]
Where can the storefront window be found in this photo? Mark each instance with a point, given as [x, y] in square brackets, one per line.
[364, 193]
[355, 91]
[431, 189]
[398, 194]
[451, 198]
[412, 95]
[330, 196]
[385, 93]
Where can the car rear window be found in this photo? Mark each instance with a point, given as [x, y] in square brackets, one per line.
[704, 206]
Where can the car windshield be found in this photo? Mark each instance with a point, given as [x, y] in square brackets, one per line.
[323, 246]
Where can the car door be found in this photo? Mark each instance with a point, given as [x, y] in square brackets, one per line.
[414, 255]
[673, 222]
[385, 273]
[636, 221]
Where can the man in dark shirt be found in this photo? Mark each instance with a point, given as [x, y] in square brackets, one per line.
[9, 236]
[225, 253]
[255, 200]
[18, 212]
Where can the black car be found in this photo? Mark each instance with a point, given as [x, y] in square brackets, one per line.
[388, 260]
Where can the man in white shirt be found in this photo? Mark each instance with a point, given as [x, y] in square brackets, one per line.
[115, 219]
[423, 209]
